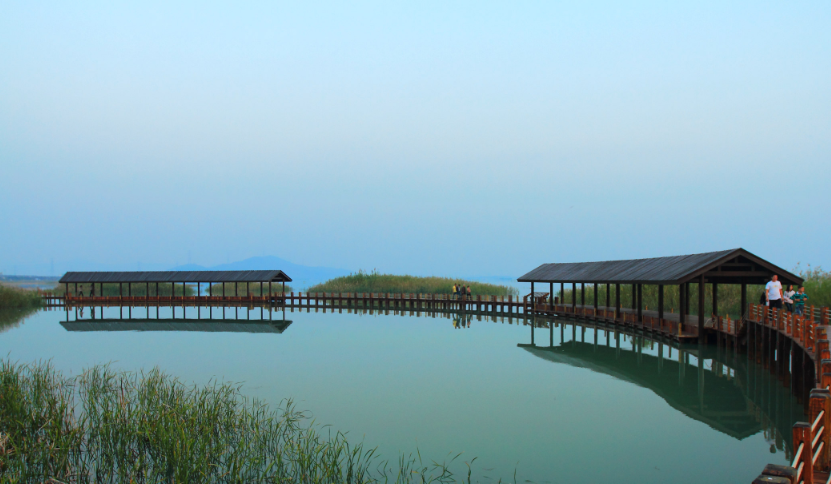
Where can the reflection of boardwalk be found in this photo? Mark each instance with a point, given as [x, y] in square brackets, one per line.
[203, 325]
[721, 389]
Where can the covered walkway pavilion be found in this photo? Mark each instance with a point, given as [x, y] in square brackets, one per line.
[735, 266]
[211, 278]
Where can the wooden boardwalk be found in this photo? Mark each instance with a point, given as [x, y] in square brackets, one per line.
[668, 327]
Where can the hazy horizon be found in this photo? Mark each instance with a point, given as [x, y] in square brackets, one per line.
[431, 138]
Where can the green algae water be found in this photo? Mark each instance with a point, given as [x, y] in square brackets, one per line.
[553, 403]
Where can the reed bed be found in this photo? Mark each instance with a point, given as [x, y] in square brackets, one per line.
[389, 283]
[104, 426]
[14, 297]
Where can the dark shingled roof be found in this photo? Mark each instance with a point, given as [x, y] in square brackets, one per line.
[175, 276]
[739, 265]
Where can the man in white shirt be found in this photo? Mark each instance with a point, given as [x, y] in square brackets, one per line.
[773, 292]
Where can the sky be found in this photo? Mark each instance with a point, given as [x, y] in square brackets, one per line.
[432, 138]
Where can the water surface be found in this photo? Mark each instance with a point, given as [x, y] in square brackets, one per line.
[579, 405]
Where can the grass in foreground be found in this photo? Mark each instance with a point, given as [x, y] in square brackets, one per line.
[13, 297]
[116, 427]
[388, 283]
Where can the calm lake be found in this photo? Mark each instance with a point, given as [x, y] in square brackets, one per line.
[582, 405]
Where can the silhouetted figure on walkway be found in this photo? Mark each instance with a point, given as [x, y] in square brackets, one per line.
[799, 300]
[773, 292]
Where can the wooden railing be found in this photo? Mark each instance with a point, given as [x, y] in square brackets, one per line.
[812, 440]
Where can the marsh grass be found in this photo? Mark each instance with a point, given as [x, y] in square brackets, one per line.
[14, 297]
[388, 283]
[105, 426]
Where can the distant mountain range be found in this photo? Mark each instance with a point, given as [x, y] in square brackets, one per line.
[302, 276]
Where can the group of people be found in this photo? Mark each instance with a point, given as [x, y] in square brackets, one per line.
[461, 291]
[775, 297]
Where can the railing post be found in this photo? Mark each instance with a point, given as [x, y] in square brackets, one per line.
[802, 436]
[820, 401]
[785, 474]
[823, 350]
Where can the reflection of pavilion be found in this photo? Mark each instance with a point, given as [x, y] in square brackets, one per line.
[198, 325]
[149, 319]
[722, 389]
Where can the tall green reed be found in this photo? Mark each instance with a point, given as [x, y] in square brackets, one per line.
[118, 427]
[15, 297]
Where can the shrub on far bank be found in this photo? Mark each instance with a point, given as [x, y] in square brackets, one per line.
[13, 297]
[389, 283]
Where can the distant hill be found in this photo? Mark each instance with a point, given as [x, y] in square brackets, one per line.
[302, 276]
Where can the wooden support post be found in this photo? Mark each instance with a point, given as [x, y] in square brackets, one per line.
[660, 304]
[532, 300]
[687, 297]
[715, 298]
[640, 303]
[608, 296]
[682, 316]
[743, 308]
[701, 308]
[617, 301]
[551, 296]
[802, 437]
[820, 401]
[634, 296]
[574, 296]
[583, 294]
[595, 299]
[562, 294]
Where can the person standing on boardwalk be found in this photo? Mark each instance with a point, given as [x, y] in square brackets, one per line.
[799, 301]
[455, 290]
[468, 292]
[773, 292]
[788, 298]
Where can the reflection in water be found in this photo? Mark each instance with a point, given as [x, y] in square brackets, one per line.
[14, 317]
[718, 387]
[149, 319]
[205, 326]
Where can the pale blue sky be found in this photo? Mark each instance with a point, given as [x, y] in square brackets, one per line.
[452, 138]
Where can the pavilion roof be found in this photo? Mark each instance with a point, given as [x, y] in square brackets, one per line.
[175, 276]
[732, 266]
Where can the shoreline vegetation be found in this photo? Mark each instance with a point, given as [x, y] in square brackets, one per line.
[118, 427]
[15, 297]
[389, 283]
